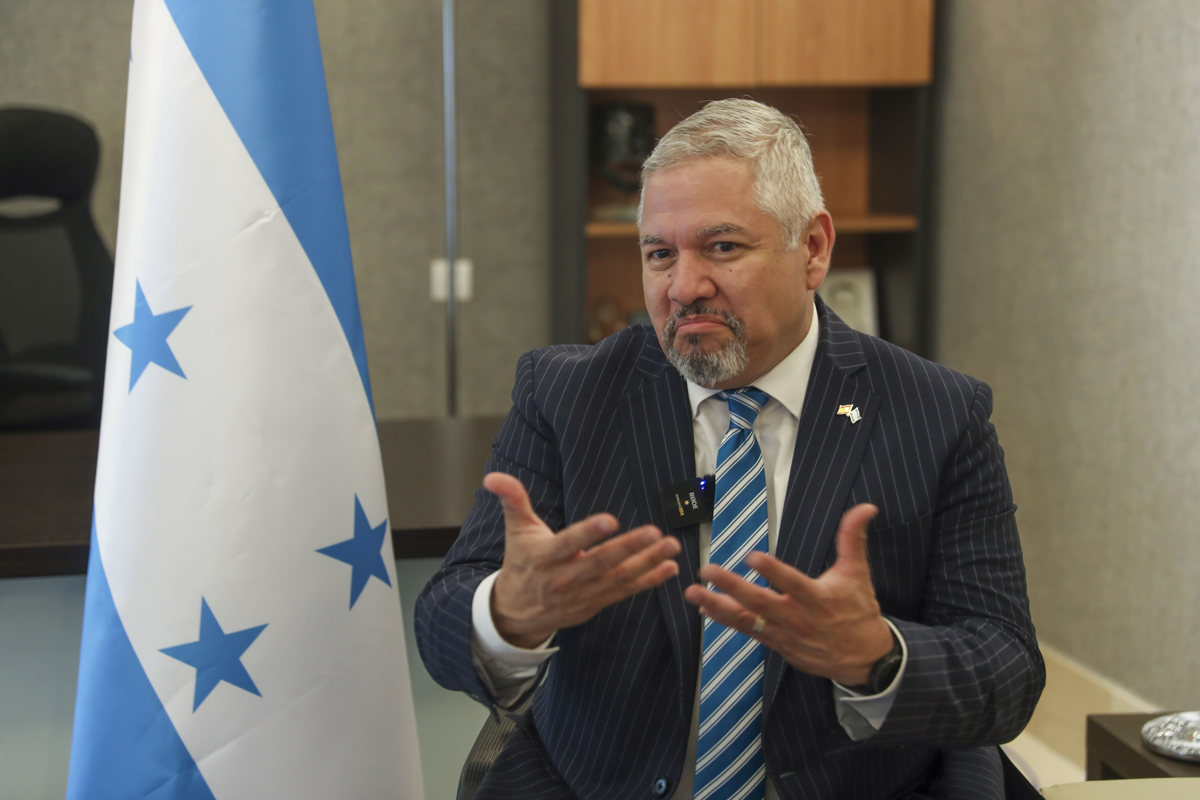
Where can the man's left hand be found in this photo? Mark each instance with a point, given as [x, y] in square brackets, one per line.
[830, 625]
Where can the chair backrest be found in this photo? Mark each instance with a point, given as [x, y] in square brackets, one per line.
[483, 752]
[55, 272]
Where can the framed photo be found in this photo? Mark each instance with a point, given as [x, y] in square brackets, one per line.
[850, 292]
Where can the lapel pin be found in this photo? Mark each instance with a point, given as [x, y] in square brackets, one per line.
[850, 410]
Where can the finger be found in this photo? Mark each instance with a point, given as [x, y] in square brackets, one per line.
[587, 534]
[617, 549]
[626, 555]
[780, 575]
[852, 537]
[514, 499]
[722, 608]
[851, 558]
[519, 516]
[642, 572]
[757, 598]
[660, 550]
[586, 583]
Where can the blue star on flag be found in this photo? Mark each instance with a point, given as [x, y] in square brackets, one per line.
[363, 552]
[146, 337]
[216, 655]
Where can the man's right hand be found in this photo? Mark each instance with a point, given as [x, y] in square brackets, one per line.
[551, 581]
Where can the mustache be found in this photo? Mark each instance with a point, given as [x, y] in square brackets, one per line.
[700, 309]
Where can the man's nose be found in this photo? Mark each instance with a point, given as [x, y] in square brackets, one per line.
[691, 279]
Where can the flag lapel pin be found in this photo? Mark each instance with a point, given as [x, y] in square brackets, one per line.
[849, 410]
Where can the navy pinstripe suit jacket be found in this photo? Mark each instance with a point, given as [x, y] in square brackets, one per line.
[606, 427]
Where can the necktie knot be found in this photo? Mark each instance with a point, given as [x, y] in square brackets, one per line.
[744, 405]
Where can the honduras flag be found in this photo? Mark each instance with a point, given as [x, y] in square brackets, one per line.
[242, 635]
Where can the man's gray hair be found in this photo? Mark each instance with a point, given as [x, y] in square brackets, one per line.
[785, 186]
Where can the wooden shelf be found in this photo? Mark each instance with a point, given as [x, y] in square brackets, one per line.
[874, 223]
[610, 230]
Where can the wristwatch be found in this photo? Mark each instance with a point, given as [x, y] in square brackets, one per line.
[883, 671]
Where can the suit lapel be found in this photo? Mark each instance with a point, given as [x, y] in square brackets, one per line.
[829, 450]
[657, 425]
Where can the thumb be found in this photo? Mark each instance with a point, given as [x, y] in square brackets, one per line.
[518, 511]
[852, 536]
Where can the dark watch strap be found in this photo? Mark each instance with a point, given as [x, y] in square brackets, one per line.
[883, 671]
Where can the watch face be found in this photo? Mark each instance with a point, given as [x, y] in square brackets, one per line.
[885, 669]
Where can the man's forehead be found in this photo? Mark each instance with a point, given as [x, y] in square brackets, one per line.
[706, 232]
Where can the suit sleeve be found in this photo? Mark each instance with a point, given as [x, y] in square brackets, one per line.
[974, 671]
[524, 448]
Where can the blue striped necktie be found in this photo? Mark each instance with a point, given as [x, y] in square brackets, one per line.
[729, 756]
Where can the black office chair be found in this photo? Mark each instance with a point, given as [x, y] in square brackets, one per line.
[488, 743]
[55, 273]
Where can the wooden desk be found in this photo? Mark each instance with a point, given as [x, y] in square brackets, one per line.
[1115, 750]
[46, 483]
[46, 502]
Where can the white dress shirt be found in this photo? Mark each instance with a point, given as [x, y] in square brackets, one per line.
[508, 671]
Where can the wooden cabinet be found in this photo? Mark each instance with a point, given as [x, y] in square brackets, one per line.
[735, 43]
[666, 43]
[845, 42]
[854, 72]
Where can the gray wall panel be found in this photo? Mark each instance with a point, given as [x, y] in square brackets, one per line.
[1067, 244]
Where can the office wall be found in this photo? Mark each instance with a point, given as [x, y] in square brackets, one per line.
[383, 65]
[1067, 234]
[384, 72]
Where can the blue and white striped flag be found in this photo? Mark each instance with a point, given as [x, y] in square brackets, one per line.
[243, 636]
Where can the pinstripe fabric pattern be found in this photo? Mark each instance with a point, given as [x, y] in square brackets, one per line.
[605, 428]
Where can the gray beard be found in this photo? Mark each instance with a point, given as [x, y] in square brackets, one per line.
[704, 368]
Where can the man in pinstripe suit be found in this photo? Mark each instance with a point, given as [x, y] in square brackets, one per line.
[896, 660]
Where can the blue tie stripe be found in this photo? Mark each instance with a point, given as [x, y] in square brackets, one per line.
[729, 761]
[726, 700]
[741, 778]
[732, 660]
[737, 737]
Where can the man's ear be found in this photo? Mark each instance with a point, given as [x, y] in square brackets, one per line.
[817, 239]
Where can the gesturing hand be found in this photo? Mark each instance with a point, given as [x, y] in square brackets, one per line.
[829, 626]
[550, 581]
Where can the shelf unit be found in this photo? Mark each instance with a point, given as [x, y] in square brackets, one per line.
[854, 72]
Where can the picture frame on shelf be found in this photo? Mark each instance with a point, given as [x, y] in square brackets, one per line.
[851, 293]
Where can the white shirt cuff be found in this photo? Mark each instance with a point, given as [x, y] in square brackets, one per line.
[507, 671]
[862, 715]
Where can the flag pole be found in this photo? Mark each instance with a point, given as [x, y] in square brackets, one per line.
[451, 161]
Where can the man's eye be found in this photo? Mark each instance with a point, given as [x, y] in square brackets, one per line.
[658, 255]
[724, 247]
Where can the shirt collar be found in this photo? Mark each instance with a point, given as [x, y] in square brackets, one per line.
[786, 382]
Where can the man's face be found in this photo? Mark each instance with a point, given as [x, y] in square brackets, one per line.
[727, 300]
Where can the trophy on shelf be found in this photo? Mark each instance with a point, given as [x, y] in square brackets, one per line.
[622, 137]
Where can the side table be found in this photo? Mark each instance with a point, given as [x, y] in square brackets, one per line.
[1115, 750]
